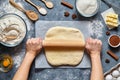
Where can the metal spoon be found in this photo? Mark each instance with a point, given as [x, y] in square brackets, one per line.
[29, 13]
[48, 4]
[39, 8]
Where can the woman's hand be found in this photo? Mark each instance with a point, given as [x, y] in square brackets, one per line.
[33, 46]
[93, 46]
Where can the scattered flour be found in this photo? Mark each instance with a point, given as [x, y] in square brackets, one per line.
[95, 29]
[17, 60]
[18, 57]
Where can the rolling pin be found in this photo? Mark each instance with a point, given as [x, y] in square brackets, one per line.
[63, 43]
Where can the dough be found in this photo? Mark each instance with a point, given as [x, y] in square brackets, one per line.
[64, 56]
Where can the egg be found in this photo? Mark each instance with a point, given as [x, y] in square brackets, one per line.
[115, 73]
[114, 79]
[109, 77]
[119, 68]
[118, 78]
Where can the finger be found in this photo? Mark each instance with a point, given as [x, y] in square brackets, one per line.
[28, 41]
[95, 41]
[88, 40]
[99, 42]
[91, 42]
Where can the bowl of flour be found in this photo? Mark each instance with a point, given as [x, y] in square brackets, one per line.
[87, 8]
[12, 30]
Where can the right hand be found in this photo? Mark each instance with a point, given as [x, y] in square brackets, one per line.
[33, 46]
[93, 46]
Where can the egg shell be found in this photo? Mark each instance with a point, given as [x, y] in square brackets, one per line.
[108, 77]
[115, 73]
[118, 78]
[119, 68]
[114, 79]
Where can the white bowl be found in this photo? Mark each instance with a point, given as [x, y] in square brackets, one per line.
[87, 15]
[17, 42]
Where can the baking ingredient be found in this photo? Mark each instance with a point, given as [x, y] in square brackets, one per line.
[6, 62]
[114, 40]
[49, 4]
[66, 14]
[39, 8]
[64, 56]
[87, 7]
[115, 73]
[74, 16]
[108, 77]
[112, 20]
[13, 29]
[112, 55]
[67, 4]
[118, 78]
[32, 15]
[96, 29]
[119, 68]
[107, 61]
[115, 79]
[108, 33]
[42, 11]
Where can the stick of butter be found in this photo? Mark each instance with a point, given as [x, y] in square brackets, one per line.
[112, 20]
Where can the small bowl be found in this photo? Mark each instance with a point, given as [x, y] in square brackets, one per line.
[88, 15]
[112, 40]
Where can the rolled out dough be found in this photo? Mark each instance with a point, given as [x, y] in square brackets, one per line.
[64, 56]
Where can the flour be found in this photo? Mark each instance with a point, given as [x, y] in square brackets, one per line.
[13, 29]
[87, 7]
[95, 29]
[42, 11]
[18, 59]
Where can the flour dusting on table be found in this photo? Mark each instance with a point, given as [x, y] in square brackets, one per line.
[95, 29]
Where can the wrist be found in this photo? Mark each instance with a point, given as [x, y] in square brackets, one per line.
[30, 55]
[95, 55]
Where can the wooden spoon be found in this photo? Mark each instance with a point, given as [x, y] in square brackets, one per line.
[48, 4]
[39, 8]
[29, 13]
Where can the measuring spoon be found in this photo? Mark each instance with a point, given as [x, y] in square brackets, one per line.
[39, 8]
[29, 13]
[48, 4]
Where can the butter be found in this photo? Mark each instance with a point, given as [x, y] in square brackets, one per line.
[112, 20]
[112, 15]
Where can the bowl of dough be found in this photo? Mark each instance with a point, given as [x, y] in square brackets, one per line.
[12, 30]
[87, 8]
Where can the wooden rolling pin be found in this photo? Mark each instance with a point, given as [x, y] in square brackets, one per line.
[63, 43]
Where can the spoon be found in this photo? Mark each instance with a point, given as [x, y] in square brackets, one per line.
[39, 8]
[48, 4]
[29, 13]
